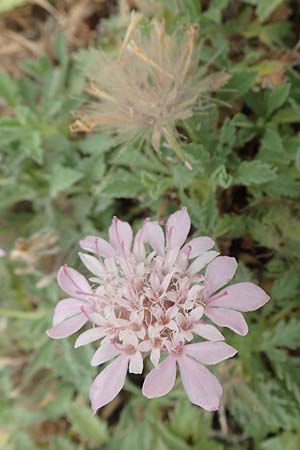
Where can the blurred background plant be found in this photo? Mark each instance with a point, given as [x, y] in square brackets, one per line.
[57, 186]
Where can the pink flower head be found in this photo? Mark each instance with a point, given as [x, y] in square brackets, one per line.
[2, 252]
[147, 296]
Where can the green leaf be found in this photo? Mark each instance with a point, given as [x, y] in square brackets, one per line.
[287, 115]
[286, 441]
[215, 10]
[272, 149]
[32, 145]
[286, 287]
[238, 85]
[95, 144]
[155, 184]
[122, 184]
[174, 442]
[265, 8]
[221, 177]
[9, 89]
[276, 97]
[90, 427]
[254, 172]
[62, 178]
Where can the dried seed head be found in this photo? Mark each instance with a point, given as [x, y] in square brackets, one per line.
[150, 86]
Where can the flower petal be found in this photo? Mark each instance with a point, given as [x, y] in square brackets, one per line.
[202, 388]
[155, 236]
[155, 356]
[136, 363]
[227, 318]
[219, 272]
[73, 283]
[208, 332]
[120, 235]
[97, 245]
[198, 246]
[67, 327]
[104, 353]
[90, 336]
[160, 380]
[201, 262]
[108, 383]
[138, 244]
[93, 264]
[241, 297]
[210, 352]
[67, 308]
[178, 227]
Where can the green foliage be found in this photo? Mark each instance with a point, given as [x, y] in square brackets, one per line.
[243, 189]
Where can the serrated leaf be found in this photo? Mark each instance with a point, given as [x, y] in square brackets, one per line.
[62, 178]
[122, 184]
[254, 173]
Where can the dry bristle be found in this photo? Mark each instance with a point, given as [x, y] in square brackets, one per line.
[96, 92]
[191, 33]
[134, 21]
[152, 84]
[140, 53]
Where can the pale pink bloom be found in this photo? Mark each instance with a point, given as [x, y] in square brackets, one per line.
[147, 297]
[224, 307]
[202, 388]
[72, 313]
[2, 252]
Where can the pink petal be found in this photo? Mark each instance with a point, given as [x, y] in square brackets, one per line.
[73, 283]
[67, 308]
[138, 244]
[2, 252]
[97, 245]
[208, 332]
[108, 383]
[198, 246]
[219, 272]
[227, 318]
[104, 353]
[136, 363]
[160, 380]
[200, 262]
[155, 356]
[178, 227]
[120, 235]
[202, 388]
[90, 336]
[210, 352]
[241, 297]
[92, 264]
[155, 236]
[67, 327]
